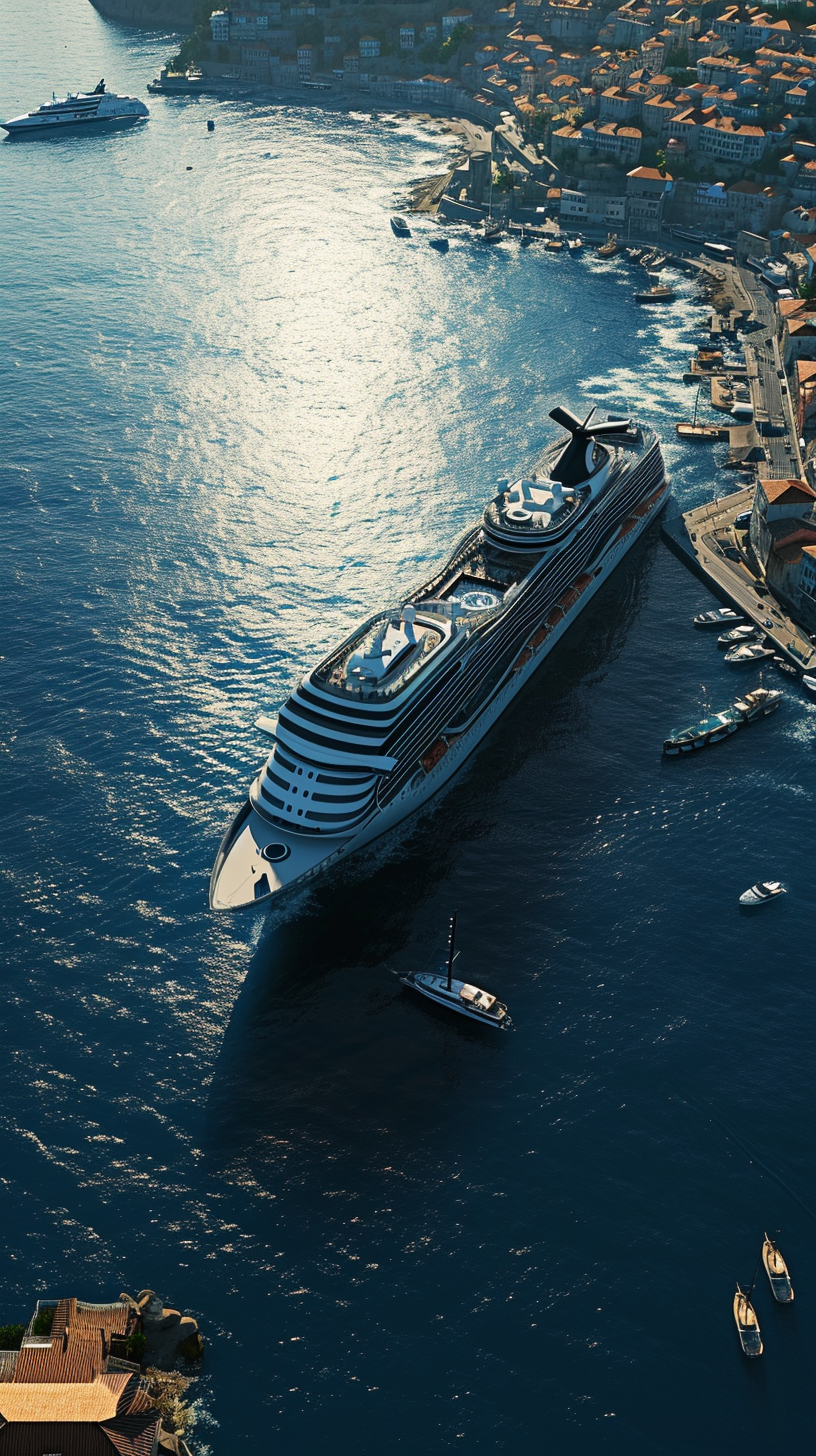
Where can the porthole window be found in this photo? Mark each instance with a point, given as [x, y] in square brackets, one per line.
[275, 852]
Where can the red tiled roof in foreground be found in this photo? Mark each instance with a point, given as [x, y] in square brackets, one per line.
[61, 1399]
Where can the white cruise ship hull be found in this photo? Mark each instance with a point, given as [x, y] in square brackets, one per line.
[240, 867]
[77, 113]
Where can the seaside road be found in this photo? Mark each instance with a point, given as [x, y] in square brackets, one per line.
[771, 401]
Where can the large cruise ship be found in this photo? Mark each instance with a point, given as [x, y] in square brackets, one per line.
[81, 109]
[389, 716]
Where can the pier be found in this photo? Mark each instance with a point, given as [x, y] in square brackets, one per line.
[706, 541]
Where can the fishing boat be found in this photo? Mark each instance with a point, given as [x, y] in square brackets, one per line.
[762, 892]
[777, 1272]
[747, 653]
[399, 226]
[610, 247]
[660, 293]
[445, 990]
[441, 245]
[575, 244]
[747, 633]
[747, 1324]
[722, 617]
[717, 726]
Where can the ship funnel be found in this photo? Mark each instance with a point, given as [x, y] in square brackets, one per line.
[574, 463]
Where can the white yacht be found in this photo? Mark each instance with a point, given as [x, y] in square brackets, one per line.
[378, 728]
[80, 109]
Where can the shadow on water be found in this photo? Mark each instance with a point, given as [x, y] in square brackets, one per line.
[324, 1043]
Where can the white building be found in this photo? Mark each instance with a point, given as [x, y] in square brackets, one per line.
[219, 25]
[369, 46]
[406, 37]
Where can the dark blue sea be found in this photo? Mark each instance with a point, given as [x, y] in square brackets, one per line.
[238, 416]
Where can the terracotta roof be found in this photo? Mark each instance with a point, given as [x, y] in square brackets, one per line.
[805, 370]
[787, 492]
[95, 1400]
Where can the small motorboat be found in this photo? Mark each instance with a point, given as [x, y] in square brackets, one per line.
[575, 244]
[399, 226]
[610, 247]
[445, 990]
[747, 653]
[762, 892]
[746, 633]
[785, 666]
[777, 1272]
[554, 245]
[723, 617]
[809, 683]
[441, 245]
[747, 1324]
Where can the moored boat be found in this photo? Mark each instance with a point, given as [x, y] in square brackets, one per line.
[762, 892]
[441, 245]
[575, 244]
[490, 231]
[399, 226]
[610, 247]
[785, 666]
[747, 653]
[747, 1324]
[722, 617]
[746, 633]
[809, 683]
[777, 1272]
[659, 294]
[688, 431]
[717, 726]
[460, 996]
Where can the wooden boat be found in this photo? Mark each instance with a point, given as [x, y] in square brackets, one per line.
[697, 432]
[445, 990]
[610, 247]
[777, 1272]
[554, 245]
[399, 226]
[747, 1324]
[661, 293]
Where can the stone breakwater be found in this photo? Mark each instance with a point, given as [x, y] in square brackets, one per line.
[169, 1334]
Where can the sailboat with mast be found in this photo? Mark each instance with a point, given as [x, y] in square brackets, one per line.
[443, 988]
[694, 431]
[747, 1323]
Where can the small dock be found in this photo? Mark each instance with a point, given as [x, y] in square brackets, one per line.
[705, 541]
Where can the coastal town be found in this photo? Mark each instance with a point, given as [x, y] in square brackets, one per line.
[688, 127]
[701, 114]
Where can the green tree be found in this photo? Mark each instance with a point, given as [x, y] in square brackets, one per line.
[43, 1322]
[11, 1336]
